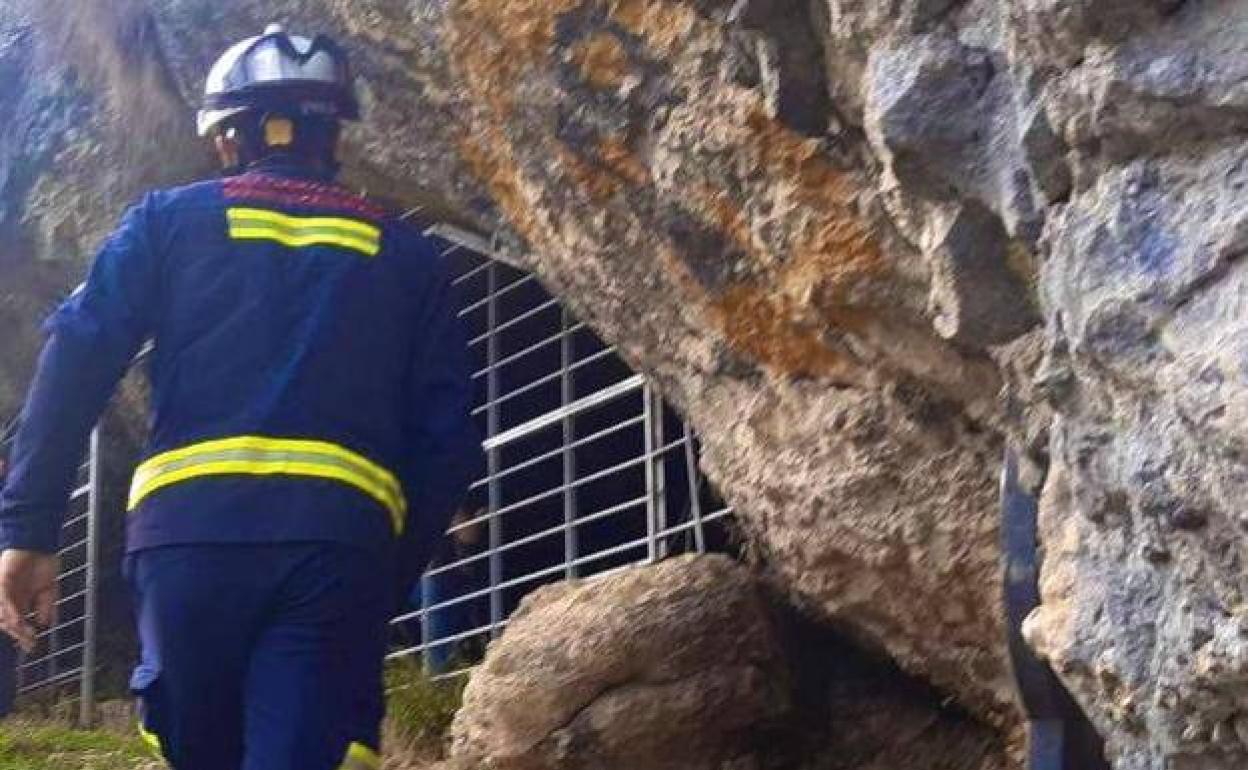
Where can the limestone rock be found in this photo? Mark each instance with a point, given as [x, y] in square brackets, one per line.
[672, 666]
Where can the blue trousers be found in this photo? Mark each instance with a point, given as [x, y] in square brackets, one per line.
[262, 657]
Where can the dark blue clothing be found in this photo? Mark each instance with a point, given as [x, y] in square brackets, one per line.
[263, 328]
[260, 657]
[9, 661]
[310, 421]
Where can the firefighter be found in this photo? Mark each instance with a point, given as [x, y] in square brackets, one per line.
[310, 432]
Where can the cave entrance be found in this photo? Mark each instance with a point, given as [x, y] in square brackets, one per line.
[587, 470]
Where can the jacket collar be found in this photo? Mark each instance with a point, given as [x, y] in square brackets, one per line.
[290, 168]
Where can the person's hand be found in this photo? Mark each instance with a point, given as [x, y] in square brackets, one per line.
[28, 590]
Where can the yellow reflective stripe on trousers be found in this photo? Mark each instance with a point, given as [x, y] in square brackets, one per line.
[264, 456]
[151, 739]
[360, 757]
[295, 231]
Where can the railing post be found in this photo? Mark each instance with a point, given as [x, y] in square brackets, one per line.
[567, 358]
[86, 702]
[493, 460]
[656, 477]
[693, 475]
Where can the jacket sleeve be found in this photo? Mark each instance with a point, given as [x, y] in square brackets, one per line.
[91, 339]
[443, 442]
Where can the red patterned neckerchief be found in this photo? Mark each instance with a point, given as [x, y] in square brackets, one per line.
[259, 187]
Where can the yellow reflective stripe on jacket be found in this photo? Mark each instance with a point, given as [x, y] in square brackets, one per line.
[296, 231]
[360, 757]
[263, 456]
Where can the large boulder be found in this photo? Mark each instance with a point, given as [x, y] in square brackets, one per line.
[671, 667]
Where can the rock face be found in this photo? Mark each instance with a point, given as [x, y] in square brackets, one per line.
[685, 666]
[860, 244]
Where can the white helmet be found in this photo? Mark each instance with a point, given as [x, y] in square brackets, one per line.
[294, 75]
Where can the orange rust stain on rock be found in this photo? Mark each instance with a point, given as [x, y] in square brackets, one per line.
[495, 44]
[834, 252]
[620, 160]
[594, 182]
[757, 325]
[487, 157]
[837, 248]
[602, 60]
[662, 23]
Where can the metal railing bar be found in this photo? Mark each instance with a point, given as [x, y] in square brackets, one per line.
[496, 293]
[489, 590]
[62, 678]
[678, 528]
[468, 276]
[525, 316]
[76, 520]
[71, 597]
[471, 240]
[597, 555]
[80, 492]
[552, 454]
[453, 674]
[71, 547]
[478, 631]
[53, 655]
[587, 519]
[603, 396]
[545, 379]
[69, 573]
[605, 472]
[643, 541]
[514, 357]
[70, 623]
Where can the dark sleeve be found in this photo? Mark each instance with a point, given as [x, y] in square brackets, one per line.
[443, 442]
[91, 339]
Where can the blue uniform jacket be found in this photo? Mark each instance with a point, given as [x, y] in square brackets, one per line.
[310, 378]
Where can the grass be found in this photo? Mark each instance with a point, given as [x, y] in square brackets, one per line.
[47, 746]
[420, 711]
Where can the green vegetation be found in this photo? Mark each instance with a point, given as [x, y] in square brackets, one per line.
[420, 709]
[420, 713]
[43, 746]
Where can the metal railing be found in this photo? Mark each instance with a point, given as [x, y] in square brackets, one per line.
[63, 665]
[587, 470]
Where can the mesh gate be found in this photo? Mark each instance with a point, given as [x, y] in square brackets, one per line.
[62, 668]
[587, 470]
